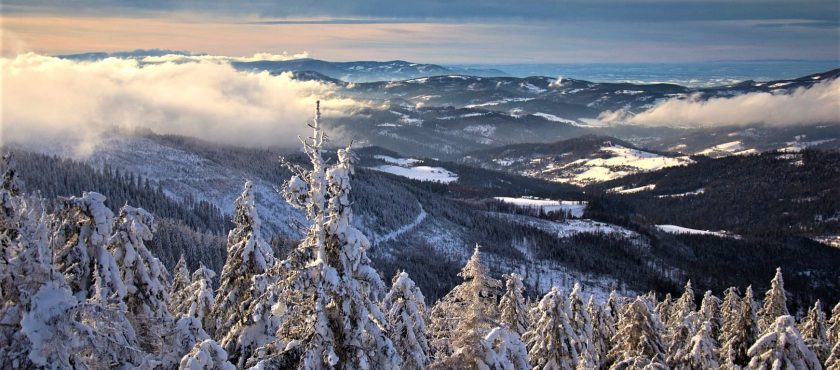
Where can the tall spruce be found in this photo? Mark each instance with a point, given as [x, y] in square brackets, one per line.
[514, 313]
[739, 333]
[551, 339]
[813, 330]
[775, 302]
[405, 309]
[638, 343]
[248, 256]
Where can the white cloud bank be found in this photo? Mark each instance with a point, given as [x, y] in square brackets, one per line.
[818, 104]
[45, 98]
[257, 57]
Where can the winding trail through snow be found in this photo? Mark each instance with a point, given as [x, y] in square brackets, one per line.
[404, 228]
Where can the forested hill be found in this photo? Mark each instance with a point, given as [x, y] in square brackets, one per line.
[772, 194]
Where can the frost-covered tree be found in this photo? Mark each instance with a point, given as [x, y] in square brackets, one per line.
[198, 297]
[603, 330]
[405, 309]
[781, 347]
[580, 320]
[551, 339]
[463, 321]
[206, 355]
[701, 353]
[663, 309]
[477, 293]
[834, 325]
[186, 333]
[614, 305]
[813, 330]
[682, 307]
[78, 245]
[740, 332]
[710, 311]
[637, 343]
[775, 302]
[833, 361]
[248, 256]
[331, 316]
[180, 280]
[144, 277]
[514, 313]
[508, 351]
[728, 310]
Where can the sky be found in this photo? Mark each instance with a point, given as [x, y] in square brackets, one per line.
[437, 31]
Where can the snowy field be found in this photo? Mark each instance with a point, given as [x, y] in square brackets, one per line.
[620, 162]
[406, 167]
[575, 208]
[674, 229]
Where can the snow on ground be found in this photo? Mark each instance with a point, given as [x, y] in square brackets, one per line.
[568, 227]
[725, 149]
[422, 173]
[674, 229]
[622, 190]
[797, 145]
[686, 194]
[575, 208]
[397, 161]
[497, 102]
[553, 118]
[831, 240]
[620, 162]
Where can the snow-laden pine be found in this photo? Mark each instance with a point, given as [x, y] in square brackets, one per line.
[405, 309]
[551, 339]
[638, 344]
[775, 302]
[206, 355]
[180, 280]
[781, 347]
[512, 306]
[814, 331]
[198, 296]
[144, 277]
[739, 332]
[249, 255]
[701, 353]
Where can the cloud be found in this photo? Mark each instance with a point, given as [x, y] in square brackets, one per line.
[257, 57]
[818, 104]
[46, 98]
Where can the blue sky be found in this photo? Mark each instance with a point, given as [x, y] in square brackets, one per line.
[459, 31]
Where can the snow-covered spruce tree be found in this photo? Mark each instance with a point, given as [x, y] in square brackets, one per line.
[710, 311]
[638, 345]
[682, 323]
[775, 302]
[728, 311]
[663, 309]
[512, 305]
[198, 297]
[603, 330]
[701, 353]
[781, 347]
[206, 355]
[405, 309]
[187, 332]
[180, 280]
[144, 277]
[614, 305]
[551, 339]
[833, 362]
[739, 333]
[682, 306]
[580, 320]
[813, 329]
[79, 249]
[477, 293]
[331, 317]
[465, 328]
[834, 325]
[248, 256]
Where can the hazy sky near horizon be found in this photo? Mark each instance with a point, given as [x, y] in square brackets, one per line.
[457, 31]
